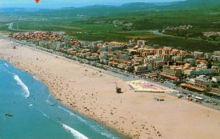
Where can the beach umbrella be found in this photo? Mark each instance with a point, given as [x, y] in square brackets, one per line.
[37, 1]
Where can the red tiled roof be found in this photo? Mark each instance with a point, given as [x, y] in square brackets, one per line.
[169, 76]
[192, 87]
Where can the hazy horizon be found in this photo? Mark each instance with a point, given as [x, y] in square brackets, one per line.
[69, 3]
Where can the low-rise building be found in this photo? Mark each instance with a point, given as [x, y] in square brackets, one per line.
[198, 54]
[140, 69]
[177, 58]
[158, 64]
[203, 83]
[216, 56]
[216, 79]
[171, 72]
[191, 61]
[207, 55]
[210, 72]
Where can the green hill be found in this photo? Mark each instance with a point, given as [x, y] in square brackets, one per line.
[128, 21]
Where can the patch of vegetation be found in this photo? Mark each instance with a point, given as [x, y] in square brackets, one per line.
[129, 21]
[185, 44]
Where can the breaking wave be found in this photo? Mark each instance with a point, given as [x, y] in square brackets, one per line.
[35, 78]
[48, 99]
[45, 115]
[97, 128]
[72, 114]
[6, 64]
[24, 87]
[75, 133]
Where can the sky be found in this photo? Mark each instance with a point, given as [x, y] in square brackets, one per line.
[67, 3]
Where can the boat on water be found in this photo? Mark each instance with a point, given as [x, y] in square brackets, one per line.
[8, 114]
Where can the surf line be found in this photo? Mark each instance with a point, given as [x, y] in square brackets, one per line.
[48, 100]
[24, 87]
[75, 133]
[97, 128]
[6, 64]
[36, 78]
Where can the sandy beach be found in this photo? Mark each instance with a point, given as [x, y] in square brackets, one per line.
[92, 93]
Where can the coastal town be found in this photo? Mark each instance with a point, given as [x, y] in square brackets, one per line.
[195, 71]
[130, 69]
[136, 100]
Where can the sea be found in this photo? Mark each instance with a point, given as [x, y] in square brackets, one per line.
[28, 110]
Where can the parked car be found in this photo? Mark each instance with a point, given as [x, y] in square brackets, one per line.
[179, 95]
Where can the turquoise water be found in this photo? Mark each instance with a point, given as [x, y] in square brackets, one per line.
[36, 113]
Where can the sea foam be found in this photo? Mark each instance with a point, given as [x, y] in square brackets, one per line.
[6, 64]
[72, 114]
[95, 127]
[25, 88]
[75, 133]
[48, 99]
[36, 78]
[46, 115]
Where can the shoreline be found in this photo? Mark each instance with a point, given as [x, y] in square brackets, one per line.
[42, 106]
[87, 100]
[119, 74]
[54, 94]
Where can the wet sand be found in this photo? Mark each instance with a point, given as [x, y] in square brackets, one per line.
[92, 93]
